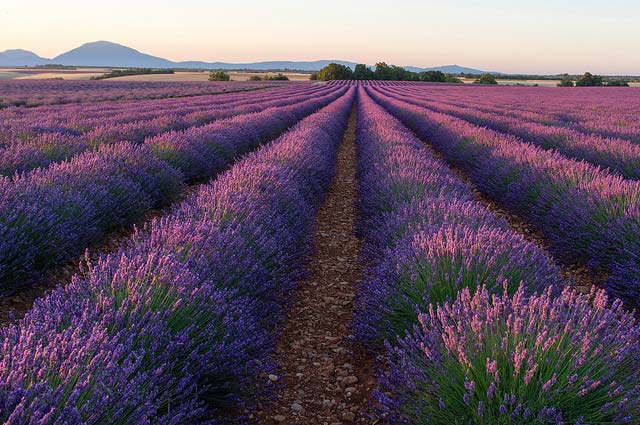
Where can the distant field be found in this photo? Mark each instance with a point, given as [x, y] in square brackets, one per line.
[8, 75]
[87, 73]
[64, 75]
[47, 74]
[203, 76]
[34, 92]
[542, 83]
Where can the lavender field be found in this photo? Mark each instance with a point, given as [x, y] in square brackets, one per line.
[318, 253]
[50, 92]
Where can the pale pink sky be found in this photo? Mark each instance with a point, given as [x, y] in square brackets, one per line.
[537, 37]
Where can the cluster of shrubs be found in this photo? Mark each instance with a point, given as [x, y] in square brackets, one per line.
[133, 71]
[219, 76]
[590, 80]
[54, 66]
[486, 79]
[381, 71]
[223, 76]
[278, 77]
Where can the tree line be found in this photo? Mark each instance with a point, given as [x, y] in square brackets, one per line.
[381, 71]
[223, 76]
[132, 71]
[590, 80]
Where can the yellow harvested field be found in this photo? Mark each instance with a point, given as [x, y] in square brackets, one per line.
[204, 76]
[63, 75]
[543, 83]
[87, 73]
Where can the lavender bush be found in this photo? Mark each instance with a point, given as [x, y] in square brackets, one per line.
[502, 359]
[606, 112]
[200, 152]
[43, 136]
[52, 214]
[590, 215]
[425, 239]
[177, 326]
[55, 213]
[619, 155]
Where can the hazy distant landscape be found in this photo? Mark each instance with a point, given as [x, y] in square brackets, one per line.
[107, 54]
[295, 214]
[88, 73]
[93, 59]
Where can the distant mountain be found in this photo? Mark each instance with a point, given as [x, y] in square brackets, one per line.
[105, 53]
[19, 57]
[262, 66]
[108, 54]
[447, 69]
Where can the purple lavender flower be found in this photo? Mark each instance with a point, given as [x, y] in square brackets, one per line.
[425, 238]
[454, 337]
[590, 215]
[52, 214]
[176, 326]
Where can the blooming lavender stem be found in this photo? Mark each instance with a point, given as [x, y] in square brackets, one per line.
[589, 215]
[52, 214]
[455, 338]
[425, 238]
[178, 325]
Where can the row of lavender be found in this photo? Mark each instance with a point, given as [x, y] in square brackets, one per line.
[609, 112]
[85, 117]
[476, 325]
[178, 325]
[34, 93]
[587, 114]
[52, 214]
[589, 215]
[39, 144]
[620, 155]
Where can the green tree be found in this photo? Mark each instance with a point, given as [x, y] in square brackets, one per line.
[400, 74]
[362, 72]
[335, 71]
[383, 72]
[566, 81]
[255, 78]
[279, 77]
[433, 76]
[486, 79]
[589, 80]
[450, 78]
[313, 76]
[617, 83]
[219, 76]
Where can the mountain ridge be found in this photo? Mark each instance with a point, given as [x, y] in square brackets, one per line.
[109, 54]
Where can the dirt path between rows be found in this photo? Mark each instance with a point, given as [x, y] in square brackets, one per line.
[324, 378]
